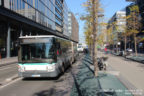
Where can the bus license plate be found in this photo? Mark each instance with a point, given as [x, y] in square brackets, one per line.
[36, 75]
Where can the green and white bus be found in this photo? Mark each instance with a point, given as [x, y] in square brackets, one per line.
[45, 56]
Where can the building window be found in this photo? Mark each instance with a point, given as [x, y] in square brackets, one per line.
[59, 3]
[0, 2]
[58, 21]
[58, 15]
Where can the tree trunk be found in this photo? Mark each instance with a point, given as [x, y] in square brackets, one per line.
[113, 47]
[96, 63]
[90, 49]
[135, 42]
[95, 24]
[116, 48]
[125, 44]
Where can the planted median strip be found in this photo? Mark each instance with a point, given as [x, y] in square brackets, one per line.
[106, 84]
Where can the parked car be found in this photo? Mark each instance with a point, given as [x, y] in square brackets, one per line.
[80, 48]
[129, 51]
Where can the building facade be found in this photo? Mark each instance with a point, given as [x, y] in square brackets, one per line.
[140, 3]
[73, 27]
[141, 9]
[135, 20]
[117, 24]
[30, 17]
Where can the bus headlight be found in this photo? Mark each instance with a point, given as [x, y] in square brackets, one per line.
[51, 68]
[21, 68]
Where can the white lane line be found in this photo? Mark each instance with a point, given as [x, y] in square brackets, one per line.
[11, 78]
[115, 73]
[1, 87]
[6, 68]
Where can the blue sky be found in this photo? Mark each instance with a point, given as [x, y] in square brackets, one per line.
[110, 7]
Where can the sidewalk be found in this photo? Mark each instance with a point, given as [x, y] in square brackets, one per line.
[138, 58]
[86, 84]
[7, 61]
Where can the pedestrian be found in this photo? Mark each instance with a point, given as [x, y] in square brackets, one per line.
[0, 55]
[105, 50]
[86, 50]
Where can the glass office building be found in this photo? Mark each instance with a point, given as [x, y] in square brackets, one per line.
[141, 8]
[65, 21]
[50, 13]
[30, 17]
[40, 11]
[61, 12]
[59, 15]
[73, 27]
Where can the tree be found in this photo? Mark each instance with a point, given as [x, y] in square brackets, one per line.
[125, 34]
[88, 34]
[91, 18]
[112, 33]
[110, 36]
[102, 32]
[134, 24]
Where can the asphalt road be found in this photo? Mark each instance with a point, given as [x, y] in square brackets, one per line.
[7, 72]
[43, 86]
[132, 71]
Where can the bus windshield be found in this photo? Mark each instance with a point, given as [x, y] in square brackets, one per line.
[37, 52]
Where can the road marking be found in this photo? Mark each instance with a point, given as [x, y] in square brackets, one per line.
[6, 68]
[115, 73]
[1, 87]
[11, 78]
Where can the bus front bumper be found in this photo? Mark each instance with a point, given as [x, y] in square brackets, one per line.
[38, 74]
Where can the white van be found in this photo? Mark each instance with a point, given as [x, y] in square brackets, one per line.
[80, 48]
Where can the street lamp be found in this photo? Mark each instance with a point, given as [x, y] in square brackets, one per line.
[119, 43]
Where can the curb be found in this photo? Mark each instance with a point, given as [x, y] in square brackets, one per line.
[125, 82]
[128, 85]
[135, 60]
[130, 59]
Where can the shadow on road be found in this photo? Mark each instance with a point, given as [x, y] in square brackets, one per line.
[51, 92]
[40, 79]
[59, 88]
